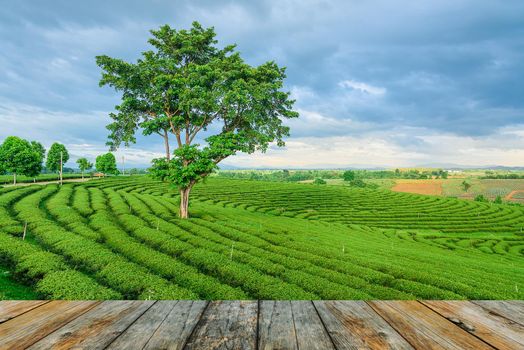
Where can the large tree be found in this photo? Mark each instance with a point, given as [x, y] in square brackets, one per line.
[106, 163]
[37, 146]
[207, 98]
[19, 156]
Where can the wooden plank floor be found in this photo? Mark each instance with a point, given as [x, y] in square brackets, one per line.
[261, 325]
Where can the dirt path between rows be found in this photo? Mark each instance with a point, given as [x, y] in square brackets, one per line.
[510, 195]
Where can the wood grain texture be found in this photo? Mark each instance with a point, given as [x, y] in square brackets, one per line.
[355, 325]
[276, 329]
[294, 325]
[97, 328]
[174, 332]
[424, 328]
[311, 334]
[510, 309]
[226, 325]
[492, 328]
[137, 335]
[12, 308]
[28, 328]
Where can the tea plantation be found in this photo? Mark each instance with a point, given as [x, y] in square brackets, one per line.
[120, 238]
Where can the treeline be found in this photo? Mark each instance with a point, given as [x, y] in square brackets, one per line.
[280, 175]
[26, 158]
[302, 175]
[503, 176]
[401, 174]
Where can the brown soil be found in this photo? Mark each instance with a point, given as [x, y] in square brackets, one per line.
[432, 187]
[509, 196]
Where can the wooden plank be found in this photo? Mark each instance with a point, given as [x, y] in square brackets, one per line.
[355, 325]
[311, 334]
[226, 325]
[276, 329]
[424, 328]
[138, 334]
[97, 328]
[26, 329]
[492, 328]
[12, 308]
[174, 332]
[511, 309]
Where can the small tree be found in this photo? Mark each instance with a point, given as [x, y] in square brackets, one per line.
[18, 156]
[480, 198]
[83, 165]
[187, 86]
[319, 181]
[357, 183]
[57, 156]
[106, 163]
[349, 175]
[465, 186]
[37, 146]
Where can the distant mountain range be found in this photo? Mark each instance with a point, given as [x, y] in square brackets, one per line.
[448, 166]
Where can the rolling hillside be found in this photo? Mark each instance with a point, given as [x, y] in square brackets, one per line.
[120, 238]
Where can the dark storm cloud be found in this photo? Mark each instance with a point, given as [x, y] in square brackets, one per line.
[454, 66]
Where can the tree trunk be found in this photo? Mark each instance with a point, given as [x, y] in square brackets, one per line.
[166, 144]
[184, 202]
[14, 178]
[82, 175]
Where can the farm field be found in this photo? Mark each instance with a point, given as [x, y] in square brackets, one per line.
[508, 189]
[120, 238]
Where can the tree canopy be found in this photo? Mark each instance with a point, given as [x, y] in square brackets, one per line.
[349, 175]
[187, 86]
[53, 157]
[106, 163]
[83, 165]
[19, 156]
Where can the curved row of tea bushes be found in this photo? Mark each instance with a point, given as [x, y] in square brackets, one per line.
[131, 280]
[46, 272]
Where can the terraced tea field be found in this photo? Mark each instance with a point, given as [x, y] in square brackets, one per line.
[120, 238]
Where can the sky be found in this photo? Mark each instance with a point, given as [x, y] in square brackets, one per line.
[377, 83]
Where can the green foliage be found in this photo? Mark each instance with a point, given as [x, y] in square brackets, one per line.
[185, 85]
[357, 183]
[117, 238]
[465, 186]
[83, 164]
[349, 175]
[53, 157]
[481, 198]
[319, 181]
[106, 163]
[19, 156]
[5, 179]
[498, 200]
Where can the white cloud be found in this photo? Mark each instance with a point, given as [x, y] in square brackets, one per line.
[362, 87]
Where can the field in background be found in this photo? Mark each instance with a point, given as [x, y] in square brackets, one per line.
[507, 189]
[120, 238]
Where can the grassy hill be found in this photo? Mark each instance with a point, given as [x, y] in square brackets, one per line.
[120, 238]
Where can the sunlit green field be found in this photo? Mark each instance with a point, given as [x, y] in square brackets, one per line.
[120, 238]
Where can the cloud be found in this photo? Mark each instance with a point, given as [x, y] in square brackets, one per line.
[403, 76]
[363, 87]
